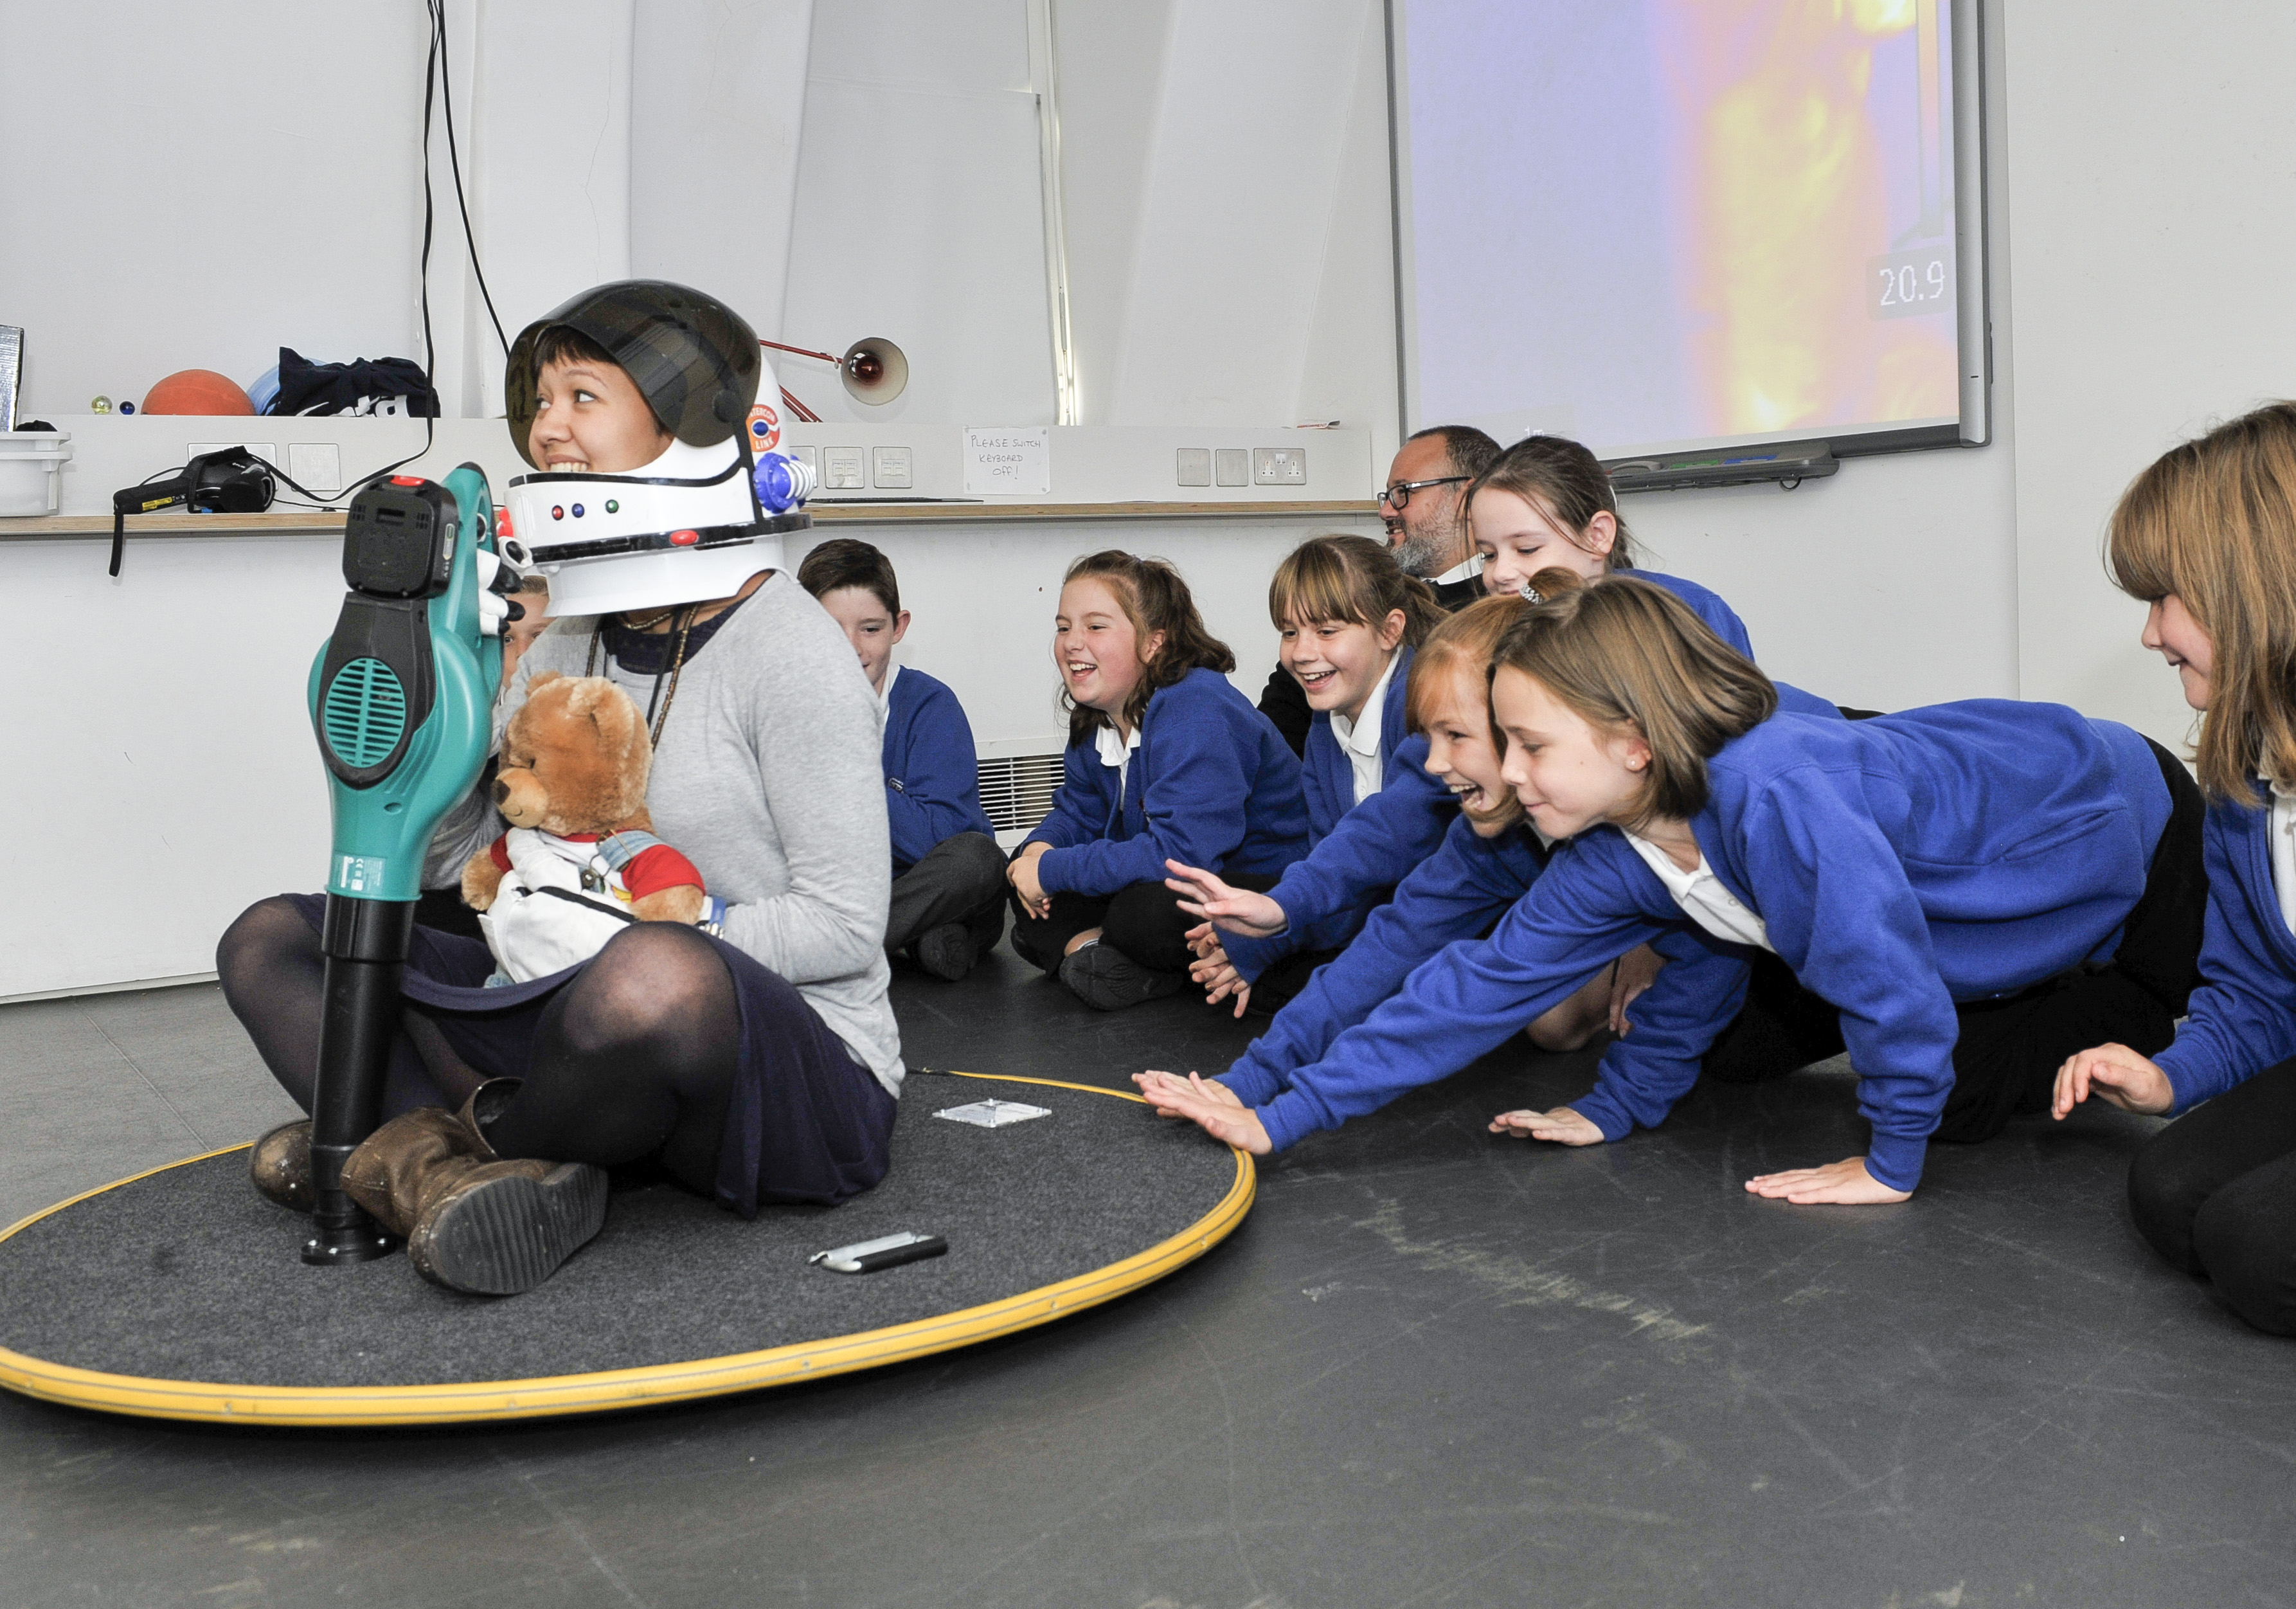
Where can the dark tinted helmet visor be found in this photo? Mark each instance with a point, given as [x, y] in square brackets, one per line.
[692, 357]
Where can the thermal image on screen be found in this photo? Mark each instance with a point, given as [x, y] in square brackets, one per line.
[1664, 223]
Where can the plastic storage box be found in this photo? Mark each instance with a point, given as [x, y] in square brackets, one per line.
[29, 462]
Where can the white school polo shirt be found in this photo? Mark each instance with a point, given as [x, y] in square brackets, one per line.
[1703, 899]
[1359, 739]
[1118, 752]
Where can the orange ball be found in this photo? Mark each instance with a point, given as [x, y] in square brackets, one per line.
[198, 391]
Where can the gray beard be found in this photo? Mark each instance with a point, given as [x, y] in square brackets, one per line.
[1427, 554]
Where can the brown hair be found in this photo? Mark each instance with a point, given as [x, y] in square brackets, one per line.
[1626, 654]
[1463, 646]
[2213, 522]
[1153, 598]
[1350, 578]
[844, 561]
[1565, 482]
[564, 343]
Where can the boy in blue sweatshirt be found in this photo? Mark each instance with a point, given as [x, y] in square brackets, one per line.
[949, 874]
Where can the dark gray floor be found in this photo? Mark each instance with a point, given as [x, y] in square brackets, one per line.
[1431, 1369]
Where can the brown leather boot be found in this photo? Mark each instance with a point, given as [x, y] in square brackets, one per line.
[280, 1164]
[472, 1220]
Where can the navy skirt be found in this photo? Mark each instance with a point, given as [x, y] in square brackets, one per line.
[806, 1121]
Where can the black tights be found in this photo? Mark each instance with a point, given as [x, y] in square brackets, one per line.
[633, 1059]
[2214, 1193]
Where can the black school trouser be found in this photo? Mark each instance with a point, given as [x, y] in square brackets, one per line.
[2214, 1193]
[1144, 921]
[2007, 1059]
[960, 879]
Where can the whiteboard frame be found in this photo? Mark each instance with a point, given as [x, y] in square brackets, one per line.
[1972, 262]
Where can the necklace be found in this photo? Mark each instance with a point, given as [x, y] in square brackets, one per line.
[655, 723]
[648, 625]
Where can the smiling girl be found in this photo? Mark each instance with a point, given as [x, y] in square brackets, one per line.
[1486, 860]
[1349, 621]
[1166, 760]
[1974, 887]
[2207, 537]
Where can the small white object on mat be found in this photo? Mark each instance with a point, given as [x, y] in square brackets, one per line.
[993, 1114]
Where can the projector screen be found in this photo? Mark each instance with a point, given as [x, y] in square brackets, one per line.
[1670, 225]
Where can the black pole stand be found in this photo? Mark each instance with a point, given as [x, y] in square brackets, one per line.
[365, 941]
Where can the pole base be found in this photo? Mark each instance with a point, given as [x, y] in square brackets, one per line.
[337, 1248]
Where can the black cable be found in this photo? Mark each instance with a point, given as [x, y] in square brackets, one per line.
[454, 164]
[429, 346]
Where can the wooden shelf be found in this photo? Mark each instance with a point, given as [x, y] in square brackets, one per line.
[312, 522]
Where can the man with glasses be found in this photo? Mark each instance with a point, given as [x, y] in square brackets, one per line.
[1424, 507]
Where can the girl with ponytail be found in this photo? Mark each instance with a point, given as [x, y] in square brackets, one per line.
[1166, 760]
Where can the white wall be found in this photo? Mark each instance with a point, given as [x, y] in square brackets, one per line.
[2156, 217]
[919, 211]
[156, 221]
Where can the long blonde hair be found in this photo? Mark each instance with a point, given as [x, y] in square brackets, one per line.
[1626, 654]
[2213, 522]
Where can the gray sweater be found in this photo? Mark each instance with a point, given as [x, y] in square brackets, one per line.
[767, 778]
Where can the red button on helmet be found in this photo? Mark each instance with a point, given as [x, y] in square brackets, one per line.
[684, 538]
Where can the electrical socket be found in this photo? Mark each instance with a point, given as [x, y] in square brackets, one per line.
[894, 468]
[316, 464]
[1279, 466]
[840, 469]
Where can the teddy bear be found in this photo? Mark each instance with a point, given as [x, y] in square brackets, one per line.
[580, 860]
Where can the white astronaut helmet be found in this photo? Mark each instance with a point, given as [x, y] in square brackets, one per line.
[686, 527]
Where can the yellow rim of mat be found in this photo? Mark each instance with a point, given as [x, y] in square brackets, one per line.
[491, 1400]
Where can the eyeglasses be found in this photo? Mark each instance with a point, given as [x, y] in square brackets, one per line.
[1395, 497]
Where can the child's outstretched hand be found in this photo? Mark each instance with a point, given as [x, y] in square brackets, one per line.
[1842, 1184]
[1229, 909]
[2117, 1076]
[1213, 971]
[1213, 1107]
[1562, 1126]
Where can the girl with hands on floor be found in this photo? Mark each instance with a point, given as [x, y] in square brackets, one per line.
[1975, 888]
[2206, 538]
[1488, 857]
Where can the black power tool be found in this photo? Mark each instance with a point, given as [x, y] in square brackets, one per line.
[233, 481]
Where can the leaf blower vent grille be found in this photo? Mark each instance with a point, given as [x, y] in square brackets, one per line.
[365, 713]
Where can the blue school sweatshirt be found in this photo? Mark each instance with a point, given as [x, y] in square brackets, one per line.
[1902, 864]
[1709, 607]
[1212, 785]
[1354, 863]
[2242, 1018]
[1469, 883]
[933, 777]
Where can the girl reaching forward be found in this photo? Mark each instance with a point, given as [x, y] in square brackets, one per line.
[1977, 888]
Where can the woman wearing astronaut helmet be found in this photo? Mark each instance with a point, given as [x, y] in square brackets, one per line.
[754, 1056]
